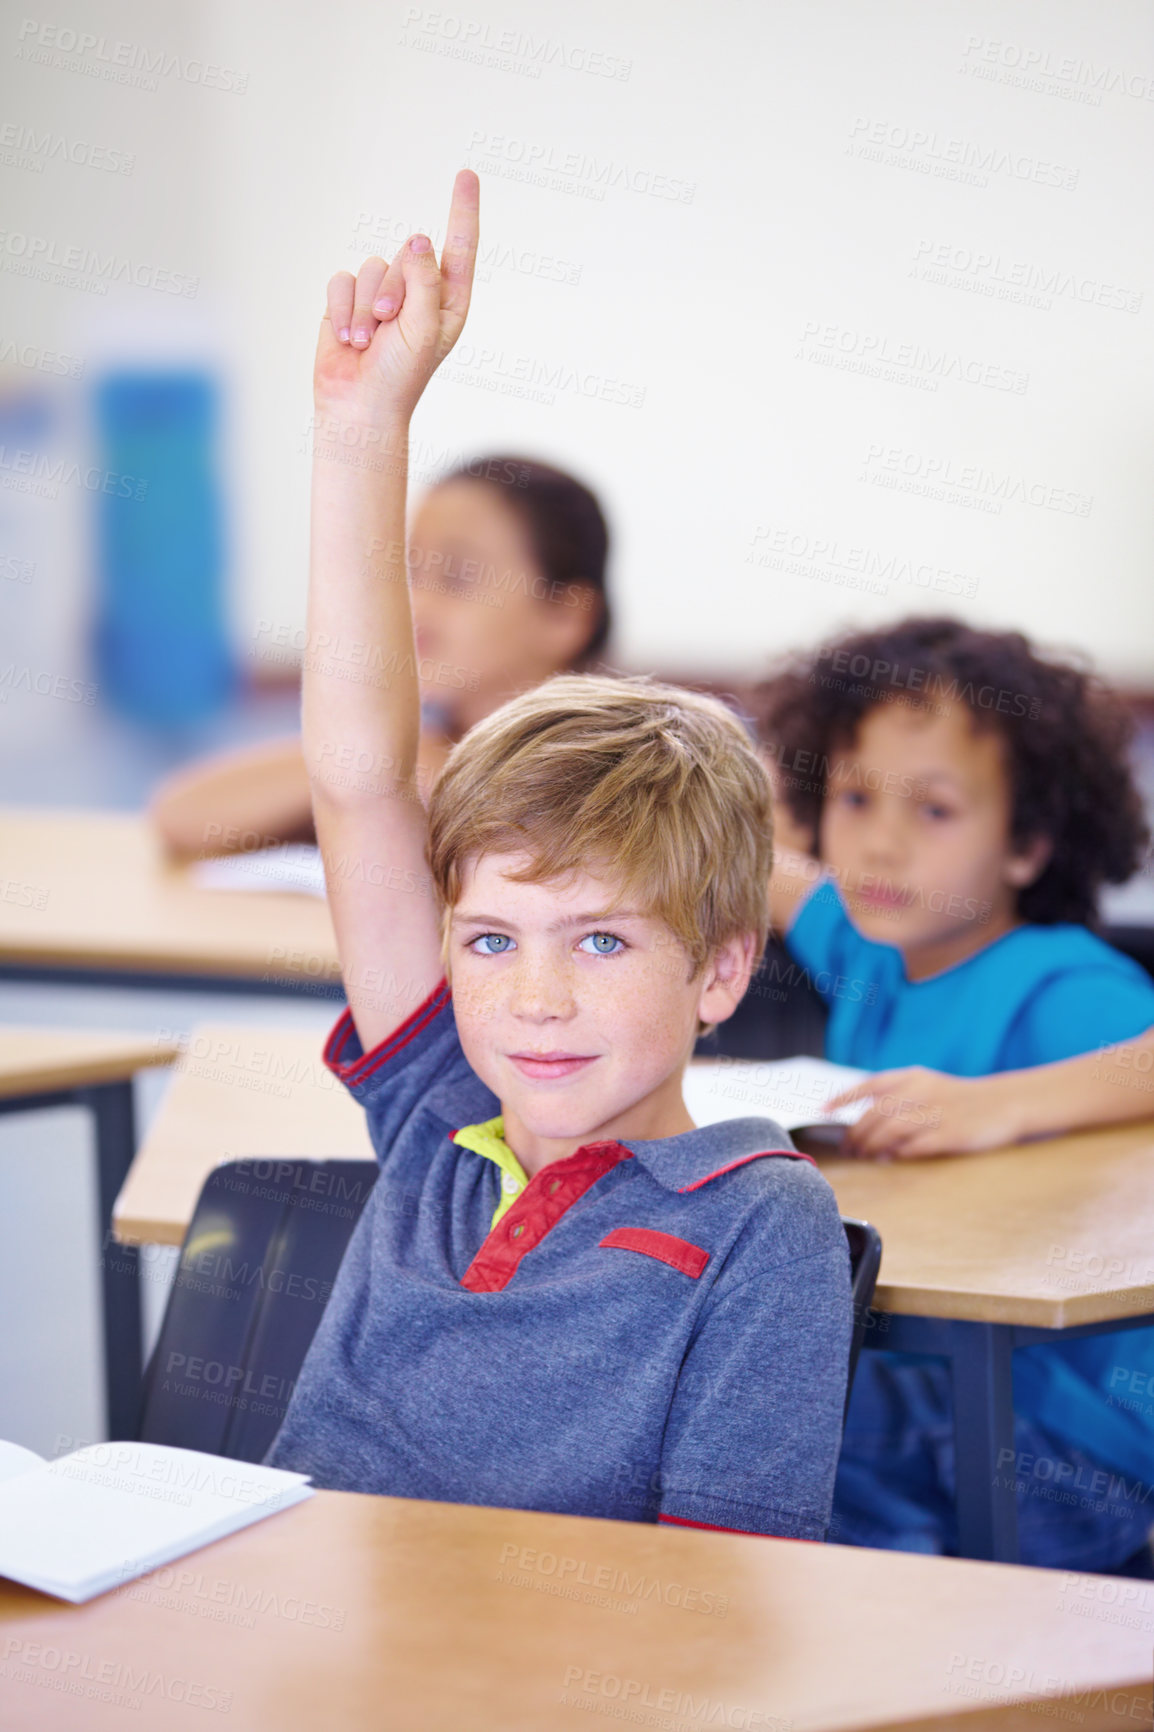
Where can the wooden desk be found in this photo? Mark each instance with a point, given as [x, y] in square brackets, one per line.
[237, 1094]
[982, 1253]
[40, 1060]
[92, 895]
[1054, 1233]
[42, 1068]
[370, 1612]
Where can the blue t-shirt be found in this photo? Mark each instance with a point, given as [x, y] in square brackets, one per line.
[655, 1330]
[1035, 995]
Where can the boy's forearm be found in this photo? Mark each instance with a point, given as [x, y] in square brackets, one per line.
[360, 697]
[1097, 1088]
[234, 801]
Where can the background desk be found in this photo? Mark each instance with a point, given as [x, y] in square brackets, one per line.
[91, 896]
[369, 1612]
[981, 1253]
[237, 1094]
[42, 1068]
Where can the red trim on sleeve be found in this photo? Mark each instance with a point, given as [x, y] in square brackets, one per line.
[357, 1069]
[793, 1154]
[713, 1528]
[551, 1190]
[666, 1247]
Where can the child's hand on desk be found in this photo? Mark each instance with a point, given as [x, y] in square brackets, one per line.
[388, 328]
[920, 1112]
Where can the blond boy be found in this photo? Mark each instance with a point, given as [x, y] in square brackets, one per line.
[562, 1295]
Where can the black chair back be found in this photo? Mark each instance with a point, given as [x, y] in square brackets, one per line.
[865, 1257]
[256, 1270]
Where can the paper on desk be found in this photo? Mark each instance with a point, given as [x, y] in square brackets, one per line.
[291, 866]
[104, 1515]
[14, 1459]
[790, 1090]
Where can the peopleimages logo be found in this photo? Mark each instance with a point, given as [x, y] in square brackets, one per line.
[908, 678]
[572, 171]
[876, 355]
[42, 360]
[23, 147]
[71, 50]
[616, 1696]
[1035, 68]
[538, 379]
[117, 1683]
[1017, 280]
[504, 50]
[857, 567]
[929, 152]
[32, 255]
[383, 235]
[940, 477]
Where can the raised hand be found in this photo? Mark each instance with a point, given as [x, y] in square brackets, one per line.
[387, 329]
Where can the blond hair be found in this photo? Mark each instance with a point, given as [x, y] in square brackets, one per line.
[657, 788]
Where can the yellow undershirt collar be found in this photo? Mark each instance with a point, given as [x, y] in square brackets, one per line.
[489, 1140]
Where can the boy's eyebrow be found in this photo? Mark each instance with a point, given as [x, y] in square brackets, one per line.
[950, 776]
[917, 776]
[466, 919]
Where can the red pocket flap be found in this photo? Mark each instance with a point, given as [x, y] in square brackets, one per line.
[666, 1247]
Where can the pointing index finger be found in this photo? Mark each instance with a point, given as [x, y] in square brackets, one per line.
[459, 254]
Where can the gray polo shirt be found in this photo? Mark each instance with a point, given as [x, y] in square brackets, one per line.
[654, 1330]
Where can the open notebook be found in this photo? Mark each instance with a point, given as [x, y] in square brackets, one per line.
[791, 1090]
[108, 1513]
[293, 866]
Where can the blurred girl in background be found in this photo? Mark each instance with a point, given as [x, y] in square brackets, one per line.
[507, 564]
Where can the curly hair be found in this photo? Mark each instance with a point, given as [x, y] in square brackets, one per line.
[1065, 734]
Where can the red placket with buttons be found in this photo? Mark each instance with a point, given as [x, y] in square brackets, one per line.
[539, 1207]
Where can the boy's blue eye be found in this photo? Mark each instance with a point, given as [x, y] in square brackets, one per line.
[601, 942]
[499, 940]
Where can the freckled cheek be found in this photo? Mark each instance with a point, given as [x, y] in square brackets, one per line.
[653, 1008]
[475, 1002]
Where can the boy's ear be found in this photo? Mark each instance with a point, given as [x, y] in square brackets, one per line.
[1026, 864]
[727, 976]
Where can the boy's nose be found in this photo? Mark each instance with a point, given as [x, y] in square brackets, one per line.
[884, 850]
[539, 992]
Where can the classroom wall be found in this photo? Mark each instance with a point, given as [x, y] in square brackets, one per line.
[845, 309]
[107, 258]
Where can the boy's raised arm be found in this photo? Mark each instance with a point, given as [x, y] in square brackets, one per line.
[382, 337]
